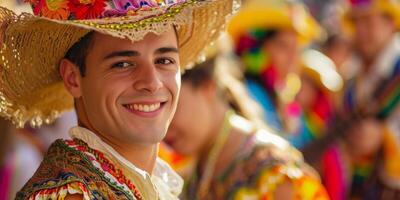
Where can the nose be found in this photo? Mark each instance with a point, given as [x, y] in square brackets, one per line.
[148, 79]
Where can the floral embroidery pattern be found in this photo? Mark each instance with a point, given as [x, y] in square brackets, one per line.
[86, 9]
[56, 9]
[93, 9]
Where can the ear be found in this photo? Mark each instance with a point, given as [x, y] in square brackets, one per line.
[71, 77]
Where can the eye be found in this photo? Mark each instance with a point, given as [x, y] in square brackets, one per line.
[122, 65]
[165, 61]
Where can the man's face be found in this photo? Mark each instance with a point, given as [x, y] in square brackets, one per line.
[129, 92]
[372, 31]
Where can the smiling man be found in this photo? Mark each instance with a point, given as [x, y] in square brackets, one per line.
[127, 88]
[120, 68]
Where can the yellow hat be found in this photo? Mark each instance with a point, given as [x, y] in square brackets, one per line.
[389, 7]
[275, 14]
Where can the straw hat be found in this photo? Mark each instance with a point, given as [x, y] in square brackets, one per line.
[389, 7]
[31, 89]
[275, 14]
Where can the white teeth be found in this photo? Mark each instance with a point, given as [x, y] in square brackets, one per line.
[144, 107]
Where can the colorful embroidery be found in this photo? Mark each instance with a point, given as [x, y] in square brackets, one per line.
[258, 171]
[70, 166]
[113, 174]
[86, 9]
[94, 9]
[60, 193]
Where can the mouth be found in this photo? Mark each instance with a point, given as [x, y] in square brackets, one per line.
[145, 109]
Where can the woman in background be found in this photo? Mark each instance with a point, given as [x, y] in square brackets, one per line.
[237, 157]
[269, 37]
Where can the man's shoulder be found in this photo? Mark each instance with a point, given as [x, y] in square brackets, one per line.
[61, 165]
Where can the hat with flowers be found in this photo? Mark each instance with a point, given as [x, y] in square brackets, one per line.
[32, 45]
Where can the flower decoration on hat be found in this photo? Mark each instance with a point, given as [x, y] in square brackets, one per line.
[54, 9]
[93, 9]
[31, 87]
[86, 9]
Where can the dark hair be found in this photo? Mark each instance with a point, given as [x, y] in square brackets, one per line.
[229, 87]
[200, 74]
[78, 52]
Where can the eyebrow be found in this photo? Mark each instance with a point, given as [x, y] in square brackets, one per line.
[130, 53]
[163, 50]
[122, 54]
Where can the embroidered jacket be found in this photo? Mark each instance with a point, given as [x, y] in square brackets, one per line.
[88, 166]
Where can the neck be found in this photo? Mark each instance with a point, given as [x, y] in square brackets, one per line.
[140, 155]
[236, 137]
[143, 157]
[219, 113]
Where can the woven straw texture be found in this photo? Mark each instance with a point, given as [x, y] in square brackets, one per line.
[31, 89]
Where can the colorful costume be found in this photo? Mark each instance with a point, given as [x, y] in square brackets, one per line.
[257, 21]
[375, 94]
[32, 90]
[265, 162]
[320, 74]
[40, 96]
[378, 94]
[88, 166]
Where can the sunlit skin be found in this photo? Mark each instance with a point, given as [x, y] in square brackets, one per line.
[118, 75]
[197, 119]
[373, 30]
[284, 50]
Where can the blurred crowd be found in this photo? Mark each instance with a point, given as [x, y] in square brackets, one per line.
[323, 76]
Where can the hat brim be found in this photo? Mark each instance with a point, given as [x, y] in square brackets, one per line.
[32, 47]
[272, 18]
[387, 8]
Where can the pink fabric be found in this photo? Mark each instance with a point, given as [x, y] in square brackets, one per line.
[333, 174]
[5, 180]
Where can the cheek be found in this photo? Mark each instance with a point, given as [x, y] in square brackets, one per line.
[104, 92]
[172, 81]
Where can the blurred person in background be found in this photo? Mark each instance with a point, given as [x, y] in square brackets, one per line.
[338, 48]
[269, 36]
[373, 25]
[237, 157]
[320, 82]
[364, 164]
